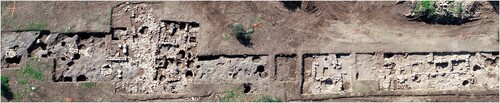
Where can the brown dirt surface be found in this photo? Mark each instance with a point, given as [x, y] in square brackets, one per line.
[360, 26]
[60, 16]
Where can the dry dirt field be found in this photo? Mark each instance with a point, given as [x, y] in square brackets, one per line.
[336, 51]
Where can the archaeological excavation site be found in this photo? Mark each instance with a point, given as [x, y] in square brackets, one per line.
[242, 51]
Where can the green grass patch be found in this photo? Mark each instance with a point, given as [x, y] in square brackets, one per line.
[31, 74]
[88, 84]
[267, 98]
[29, 71]
[232, 95]
[33, 69]
[33, 26]
[26, 85]
[23, 82]
[236, 95]
[19, 95]
[37, 26]
[7, 21]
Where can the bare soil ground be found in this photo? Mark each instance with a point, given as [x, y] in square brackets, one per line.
[361, 26]
[61, 16]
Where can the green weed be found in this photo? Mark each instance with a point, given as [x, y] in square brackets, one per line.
[425, 7]
[33, 73]
[33, 69]
[88, 84]
[23, 82]
[232, 95]
[19, 95]
[32, 26]
[240, 32]
[7, 20]
[460, 9]
[30, 75]
[36, 26]
[236, 95]
[266, 98]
